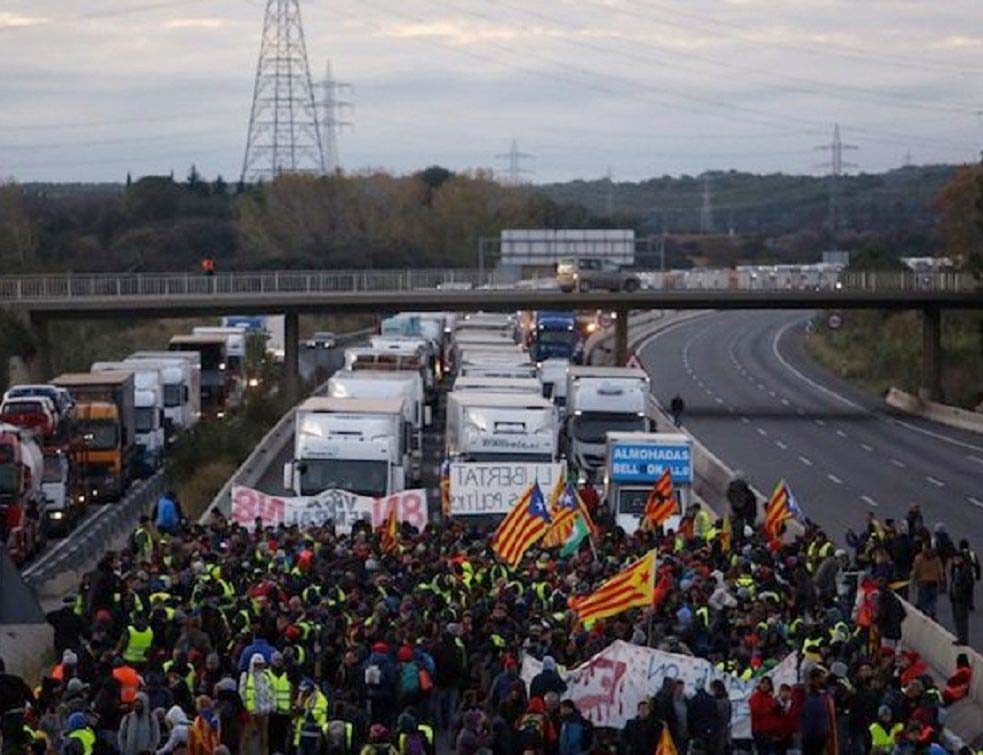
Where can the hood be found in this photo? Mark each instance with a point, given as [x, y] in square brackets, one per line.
[254, 659]
[176, 717]
[142, 697]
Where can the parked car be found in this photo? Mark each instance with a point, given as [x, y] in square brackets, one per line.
[593, 273]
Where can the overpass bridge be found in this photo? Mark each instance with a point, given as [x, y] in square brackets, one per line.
[41, 299]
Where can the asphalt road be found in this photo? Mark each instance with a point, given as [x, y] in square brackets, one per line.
[758, 401]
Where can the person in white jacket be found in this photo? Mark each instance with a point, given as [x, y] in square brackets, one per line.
[259, 696]
[177, 724]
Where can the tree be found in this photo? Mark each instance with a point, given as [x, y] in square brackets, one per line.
[196, 184]
[18, 232]
[435, 176]
[960, 210]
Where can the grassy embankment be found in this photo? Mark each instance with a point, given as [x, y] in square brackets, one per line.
[878, 350]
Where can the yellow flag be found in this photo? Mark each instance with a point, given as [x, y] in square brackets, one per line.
[666, 746]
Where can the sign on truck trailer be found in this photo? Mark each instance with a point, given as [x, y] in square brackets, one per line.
[634, 462]
[501, 427]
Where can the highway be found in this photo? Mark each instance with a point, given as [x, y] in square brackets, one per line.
[758, 401]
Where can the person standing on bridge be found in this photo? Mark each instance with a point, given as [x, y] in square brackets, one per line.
[928, 575]
[961, 595]
[677, 406]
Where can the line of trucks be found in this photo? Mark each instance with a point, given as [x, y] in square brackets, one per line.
[85, 437]
[518, 404]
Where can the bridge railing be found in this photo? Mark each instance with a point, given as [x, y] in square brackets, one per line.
[38, 288]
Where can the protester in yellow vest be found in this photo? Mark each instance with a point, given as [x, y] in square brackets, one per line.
[883, 734]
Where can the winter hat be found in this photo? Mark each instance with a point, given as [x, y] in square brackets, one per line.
[68, 658]
[549, 663]
[77, 721]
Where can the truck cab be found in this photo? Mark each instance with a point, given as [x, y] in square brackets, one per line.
[523, 386]
[553, 375]
[599, 400]
[501, 427]
[555, 335]
[214, 381]
[235, 357]
[634, 462]
[358, 445]
[21, 501]
[181, 373]
[36, 413]
[63, 509]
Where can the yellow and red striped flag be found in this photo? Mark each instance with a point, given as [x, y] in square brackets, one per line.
[661, 502]
[630, 588]
[781, 506]
[525, 523]
[726, 534]
[389, 532]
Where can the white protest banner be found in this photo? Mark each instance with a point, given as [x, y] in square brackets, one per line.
[338, 506]
[493, 487]
[608, 688]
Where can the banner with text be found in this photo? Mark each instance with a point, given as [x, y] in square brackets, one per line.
[494, 487]
[608, 688]
[338, 506]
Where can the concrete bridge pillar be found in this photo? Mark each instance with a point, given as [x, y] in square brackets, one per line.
[621, 337]
[40, 366]
[931, 383]
[291, 356]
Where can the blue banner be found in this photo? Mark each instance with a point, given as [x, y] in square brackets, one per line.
[632, 462]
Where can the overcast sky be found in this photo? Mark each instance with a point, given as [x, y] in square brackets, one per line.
[92, 89]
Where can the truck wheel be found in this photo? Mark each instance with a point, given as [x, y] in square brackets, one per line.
[631, 285]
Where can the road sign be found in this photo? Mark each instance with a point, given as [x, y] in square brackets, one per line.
[645, 462]
[634, 361]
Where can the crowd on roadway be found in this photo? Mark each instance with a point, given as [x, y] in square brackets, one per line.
[212, 639]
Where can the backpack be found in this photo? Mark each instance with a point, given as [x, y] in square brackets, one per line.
[166, 515]
[426, 681]
[409, 678]
[373, 675]
[311, 737]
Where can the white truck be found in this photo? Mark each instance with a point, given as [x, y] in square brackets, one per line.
[504, 364]
[553, 374]
[485, 426]
[485, 322]
[434, 326]
[369, 385]
[148, 402]
[358, 445]
[634, 462]
[181, 374]
[393, 360]
[601, 400]
[409, 346]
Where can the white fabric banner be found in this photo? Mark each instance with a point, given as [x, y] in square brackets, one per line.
[340, 506]
[608, 688]
[494, 487]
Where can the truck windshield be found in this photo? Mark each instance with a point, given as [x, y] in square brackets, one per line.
[632, 501]
[590, 427]
[172, 394]
[354, 475]
[53, 468]
[97, 435]
[145, 419]
[9, 479]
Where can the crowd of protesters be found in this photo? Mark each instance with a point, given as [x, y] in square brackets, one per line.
[216, 640]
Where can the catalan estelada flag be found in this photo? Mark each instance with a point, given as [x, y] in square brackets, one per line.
[661, 502]
[445, 488]
[726, 534]
[389, 532]
[525, 523]
[781, 506]
[630, 588]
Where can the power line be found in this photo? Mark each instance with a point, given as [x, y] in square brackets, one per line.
[331, 120]
[514, 170]
[836, 165]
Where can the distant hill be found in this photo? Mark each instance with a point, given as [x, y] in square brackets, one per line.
[899, 201]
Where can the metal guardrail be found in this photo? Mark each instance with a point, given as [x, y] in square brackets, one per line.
[47, 288]
[87, 544]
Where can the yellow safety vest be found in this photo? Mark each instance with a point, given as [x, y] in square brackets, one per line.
[138, 644]
[317, 705]
[249, 689]
[87, 737]
[883, 740]
[281, 688]
[189, 678]
[424, 730]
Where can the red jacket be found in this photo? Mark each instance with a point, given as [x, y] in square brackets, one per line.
[765, 713]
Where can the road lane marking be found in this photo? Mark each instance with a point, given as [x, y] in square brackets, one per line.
[804, 460]
[761, 386]
[820, 422]
[975, 501]
[899, 464]
[772, 394]
[781, 444]
[937, 483]
[866, 447]
[746, 420]
[869, 501]
[719, 400]
[835, 479]
[853, 404]
[977, 459]
[762, 431]
[786, 402]
[841, 433]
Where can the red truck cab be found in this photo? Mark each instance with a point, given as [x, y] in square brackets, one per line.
[21, 470]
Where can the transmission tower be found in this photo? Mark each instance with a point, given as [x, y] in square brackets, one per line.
[609, 194]
[706, 211]
[514, 170]
[331, 117]
[283, 134]
[836, 166]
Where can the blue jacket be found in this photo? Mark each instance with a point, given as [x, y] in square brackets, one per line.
[387, 686]
[168, 519]
[571, 736]
[260, 646]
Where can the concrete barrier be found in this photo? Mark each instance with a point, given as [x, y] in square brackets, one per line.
[953, 416]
